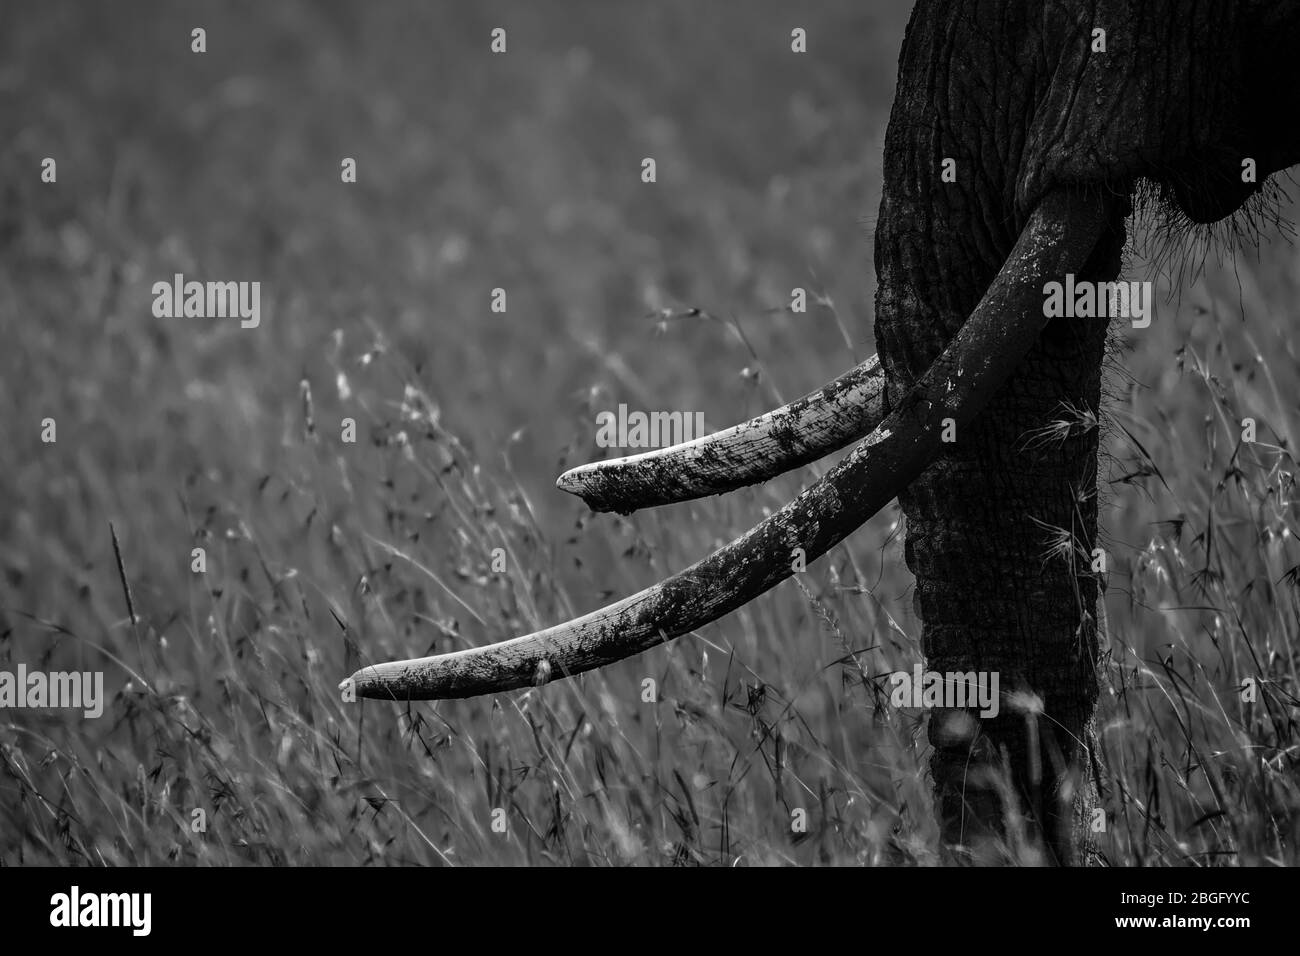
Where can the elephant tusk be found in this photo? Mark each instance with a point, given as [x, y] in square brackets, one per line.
[793, 435]
[1058, 238]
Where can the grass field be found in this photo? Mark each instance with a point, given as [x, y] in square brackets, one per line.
[522, 171]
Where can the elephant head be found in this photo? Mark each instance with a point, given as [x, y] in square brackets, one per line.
[1020, 131]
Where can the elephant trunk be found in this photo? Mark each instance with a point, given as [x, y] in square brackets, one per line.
[1002, 526]
[1001, 532]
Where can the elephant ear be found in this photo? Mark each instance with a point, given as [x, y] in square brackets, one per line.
[1162, 101]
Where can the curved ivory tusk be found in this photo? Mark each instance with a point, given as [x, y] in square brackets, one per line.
[793, 435]
[1058, 238]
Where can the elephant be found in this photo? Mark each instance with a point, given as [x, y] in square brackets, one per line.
[1022, 136]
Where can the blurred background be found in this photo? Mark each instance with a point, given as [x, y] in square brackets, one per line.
[523, 171]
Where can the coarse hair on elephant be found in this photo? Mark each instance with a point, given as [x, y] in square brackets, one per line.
[1022, 132]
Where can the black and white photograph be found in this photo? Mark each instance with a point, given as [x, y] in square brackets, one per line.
[641, 435]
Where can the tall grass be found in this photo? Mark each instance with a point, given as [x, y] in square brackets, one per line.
[523, 173]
